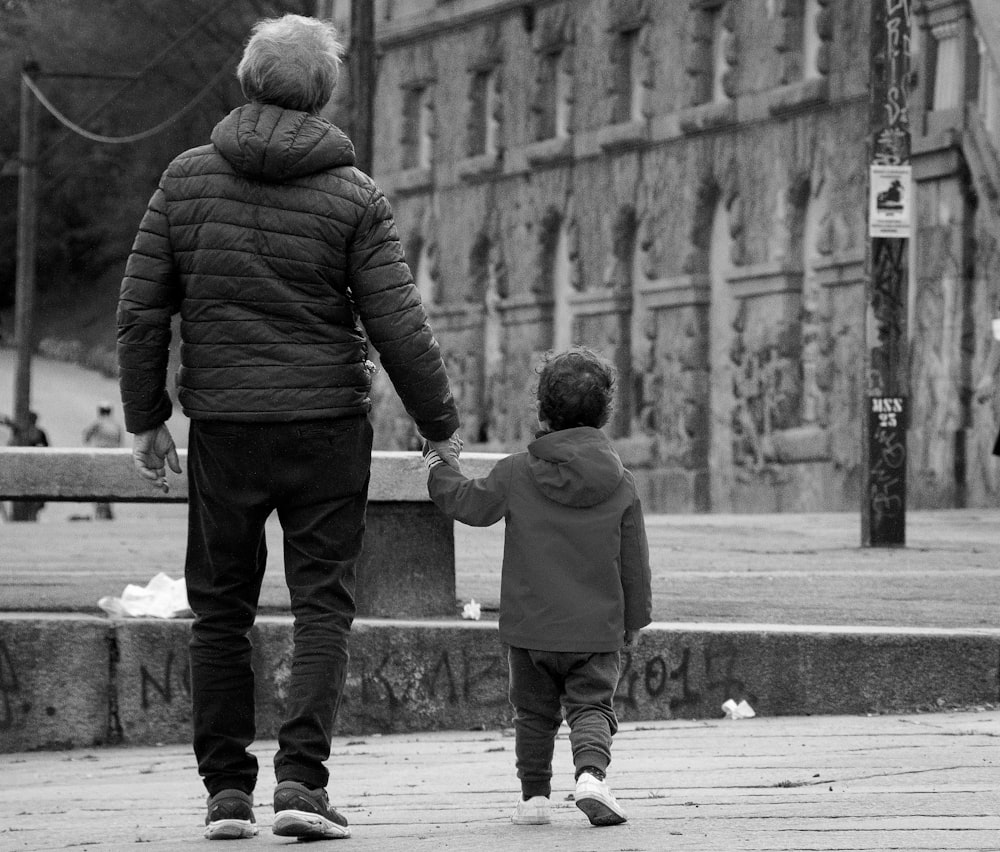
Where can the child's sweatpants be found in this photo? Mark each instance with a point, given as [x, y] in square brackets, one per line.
[542, 685]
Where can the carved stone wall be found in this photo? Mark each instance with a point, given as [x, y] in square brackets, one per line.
[711, 245]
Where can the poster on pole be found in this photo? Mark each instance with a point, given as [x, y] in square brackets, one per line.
[886, 493]
[890, 202]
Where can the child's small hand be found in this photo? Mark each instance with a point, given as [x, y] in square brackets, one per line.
[631, 638]
[447, 451]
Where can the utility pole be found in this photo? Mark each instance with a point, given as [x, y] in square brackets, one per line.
[361, 71]
[890, 208]
[27, 215]
[24, 293]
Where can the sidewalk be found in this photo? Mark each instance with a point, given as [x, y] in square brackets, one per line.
[919, 782]
[790, 569]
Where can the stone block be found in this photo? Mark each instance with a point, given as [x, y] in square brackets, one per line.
[54, 682]
[407, 566]
[153, 680]
[402, 676]
[78, 681]
[690, 673]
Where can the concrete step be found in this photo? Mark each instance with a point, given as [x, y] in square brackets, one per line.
[71, 681]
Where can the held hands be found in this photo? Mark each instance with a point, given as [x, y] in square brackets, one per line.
[443, 452]
[152, 450]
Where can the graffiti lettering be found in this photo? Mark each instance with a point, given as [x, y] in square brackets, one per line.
[443, 664]
[656, 677]
[164, 687]
[473, 679]
[491, 672]
[701, 674]
[688, 696]
[626, 683]
[369, 694]
[720, 669]
[10, 689]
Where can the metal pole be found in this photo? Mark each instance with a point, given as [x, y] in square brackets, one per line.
[24, 293]
[890, 208]
[26, 228]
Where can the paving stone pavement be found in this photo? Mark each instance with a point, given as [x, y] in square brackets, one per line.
[917, 782]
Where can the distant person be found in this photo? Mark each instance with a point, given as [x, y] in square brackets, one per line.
[103, 433]
[283, 261]
[31, 435]
[575, 584]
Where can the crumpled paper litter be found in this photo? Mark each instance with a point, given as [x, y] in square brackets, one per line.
[738, 711]
[161, 597]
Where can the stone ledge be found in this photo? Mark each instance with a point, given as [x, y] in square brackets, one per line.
[29, 473]
[71, 681]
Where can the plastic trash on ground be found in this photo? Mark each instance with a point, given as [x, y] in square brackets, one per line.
[161, 597]
[738, 711]
[472, 610]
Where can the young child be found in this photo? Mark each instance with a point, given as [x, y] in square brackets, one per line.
[575, 586]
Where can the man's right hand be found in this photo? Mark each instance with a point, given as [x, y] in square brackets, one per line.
[152, 451]
[449, 450]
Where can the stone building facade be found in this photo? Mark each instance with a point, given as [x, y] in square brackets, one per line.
[682, 186]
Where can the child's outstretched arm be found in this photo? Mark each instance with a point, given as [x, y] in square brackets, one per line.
[477, 502]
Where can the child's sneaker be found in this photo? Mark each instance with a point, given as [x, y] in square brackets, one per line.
[594, 798]
[534, 811]
[306, 814]
[230, 816]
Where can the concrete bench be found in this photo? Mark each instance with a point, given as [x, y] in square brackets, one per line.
[407, 568]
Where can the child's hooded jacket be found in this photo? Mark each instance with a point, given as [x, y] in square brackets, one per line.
[576, 562]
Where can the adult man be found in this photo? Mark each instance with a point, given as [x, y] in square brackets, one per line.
[272, 246]
[104, 433]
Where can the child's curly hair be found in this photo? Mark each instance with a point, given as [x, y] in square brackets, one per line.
[575, 388]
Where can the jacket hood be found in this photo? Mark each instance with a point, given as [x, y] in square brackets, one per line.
[266, 142]
[575, 467]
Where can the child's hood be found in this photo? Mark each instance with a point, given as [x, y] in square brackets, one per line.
[575, 467]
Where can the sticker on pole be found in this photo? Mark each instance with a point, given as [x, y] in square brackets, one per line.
[890, 201]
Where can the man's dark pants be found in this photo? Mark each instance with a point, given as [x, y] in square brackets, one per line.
[314, 474]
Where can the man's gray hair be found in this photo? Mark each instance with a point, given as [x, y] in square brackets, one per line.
[291, 62]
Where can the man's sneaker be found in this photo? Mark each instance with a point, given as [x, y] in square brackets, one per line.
[230, 816]
[595, 799]
[306, 814]
[534, 811]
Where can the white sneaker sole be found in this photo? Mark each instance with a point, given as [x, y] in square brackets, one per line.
[530, 820]
[230, 829]
[307, 825]
[601, 812]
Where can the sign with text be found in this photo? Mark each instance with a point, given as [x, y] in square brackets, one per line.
[889, 203]
[886, 487]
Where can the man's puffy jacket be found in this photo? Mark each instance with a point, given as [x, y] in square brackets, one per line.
[279, 255]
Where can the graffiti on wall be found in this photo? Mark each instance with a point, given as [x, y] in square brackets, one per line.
[11, 701]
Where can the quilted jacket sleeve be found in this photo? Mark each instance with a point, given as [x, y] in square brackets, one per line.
[394, 318]
[150, 294]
